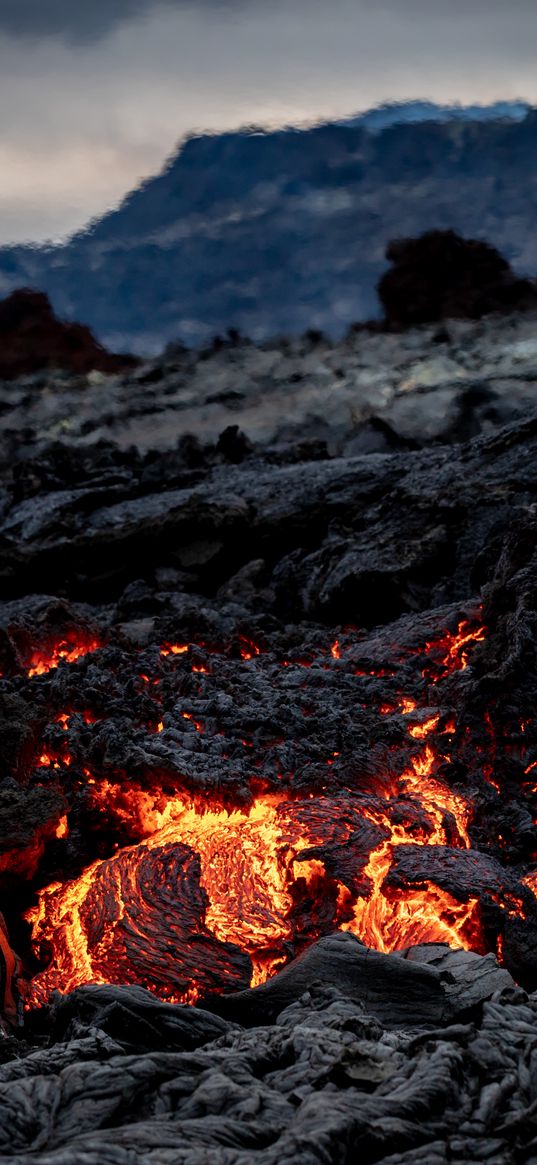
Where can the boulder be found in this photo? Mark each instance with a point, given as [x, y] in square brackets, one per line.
[443, 276]
[32, 338]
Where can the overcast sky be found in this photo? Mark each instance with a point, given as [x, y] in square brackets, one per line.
[94, 94]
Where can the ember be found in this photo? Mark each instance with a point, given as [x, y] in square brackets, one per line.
[43, 662]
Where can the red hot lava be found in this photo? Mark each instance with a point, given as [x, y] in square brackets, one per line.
[210, 897]
[42, 662]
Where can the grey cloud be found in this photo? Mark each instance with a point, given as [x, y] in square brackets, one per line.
[90, 20]
[86, 20]
[68, 19]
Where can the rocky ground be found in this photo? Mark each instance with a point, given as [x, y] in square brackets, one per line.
[355, 1071]
[372, 392]
[317, 576]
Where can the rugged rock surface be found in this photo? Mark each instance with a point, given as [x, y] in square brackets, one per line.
[267, 695]
[125, 1077]
[303, 399]
[355, 539]
[33, 339]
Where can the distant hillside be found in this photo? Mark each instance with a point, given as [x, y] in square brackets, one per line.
[282, 231]
[396, 112]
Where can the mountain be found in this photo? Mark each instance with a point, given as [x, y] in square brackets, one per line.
[397, 112]
[277, 232]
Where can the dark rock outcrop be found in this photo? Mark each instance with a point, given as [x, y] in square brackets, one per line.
[32, 338]
[443, 276]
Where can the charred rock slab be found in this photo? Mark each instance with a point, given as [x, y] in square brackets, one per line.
[361, 539]
[429, 984]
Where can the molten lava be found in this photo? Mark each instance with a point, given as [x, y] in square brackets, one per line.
[246, 875]
[44, 661]
[209, 897]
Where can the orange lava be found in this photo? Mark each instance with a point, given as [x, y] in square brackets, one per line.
[247, 870]
[249, 867]
[248, 649]
[250, 860]
[456, 647]
[457, 654]
[426, 726]
[530, 880]
[389, 920]
[44, 661]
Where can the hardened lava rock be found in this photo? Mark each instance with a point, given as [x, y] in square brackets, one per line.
[377, 1058]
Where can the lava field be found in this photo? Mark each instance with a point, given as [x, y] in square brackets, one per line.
[224, 806]
[254, 709]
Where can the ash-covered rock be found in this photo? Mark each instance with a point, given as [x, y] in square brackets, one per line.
[374, 391]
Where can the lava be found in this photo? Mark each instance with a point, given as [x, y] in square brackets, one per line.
[247, 870]
[206, 896]
[45, 660]
[423, 729]
[250, 860]
[452, 649]
[389, 921]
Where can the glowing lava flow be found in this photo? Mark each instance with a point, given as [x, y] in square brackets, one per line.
[388, 921]
[44, 661]
[209, 898]
[247, 872]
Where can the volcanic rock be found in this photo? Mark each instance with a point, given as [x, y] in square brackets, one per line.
[32, 339]
[443, 276]
[397, 993]
[373, 392]
[124, 1074]
[271, 723]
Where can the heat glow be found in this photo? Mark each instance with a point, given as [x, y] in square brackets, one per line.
[200, 873]
[44, 661]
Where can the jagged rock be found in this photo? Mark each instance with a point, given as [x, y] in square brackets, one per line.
[126, 1076]
[433, 985]
[397, 556]
[467, 979]
[363, 394]
[32, 338]
[132, 1016]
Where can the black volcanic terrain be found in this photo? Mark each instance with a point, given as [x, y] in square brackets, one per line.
[268, 655]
